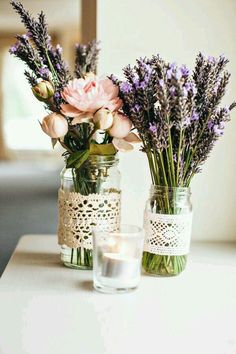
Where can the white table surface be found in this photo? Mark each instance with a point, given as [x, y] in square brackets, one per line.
[46, 308]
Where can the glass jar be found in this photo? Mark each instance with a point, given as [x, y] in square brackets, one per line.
[117, 259]
[167, 225]
[88, 197]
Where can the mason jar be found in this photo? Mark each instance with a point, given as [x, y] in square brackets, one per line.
[89, 196]
[167, 225]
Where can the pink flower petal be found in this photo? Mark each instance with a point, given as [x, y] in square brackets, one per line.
[122, 145]
[109, 88]
[114, 105]
[69, 110]
[132, 138]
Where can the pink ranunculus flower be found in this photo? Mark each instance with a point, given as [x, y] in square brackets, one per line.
[55, 125]
[89, 95]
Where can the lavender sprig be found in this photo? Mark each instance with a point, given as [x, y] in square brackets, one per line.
[86, 58]
[36, 50]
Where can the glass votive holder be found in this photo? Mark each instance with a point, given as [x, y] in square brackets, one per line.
[117, 258]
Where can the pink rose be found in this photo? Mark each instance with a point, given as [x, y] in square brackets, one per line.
[89, 95]
[121, 126]
[55, 125]
[103, 119]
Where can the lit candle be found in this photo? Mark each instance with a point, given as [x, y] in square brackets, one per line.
[121, 270]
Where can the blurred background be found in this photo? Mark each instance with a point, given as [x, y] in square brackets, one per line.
[128, 29]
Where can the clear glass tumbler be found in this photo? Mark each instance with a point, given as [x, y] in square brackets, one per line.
[117, 258]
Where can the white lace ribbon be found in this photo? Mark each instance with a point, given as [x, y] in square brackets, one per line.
[79, 213]
[167, 234]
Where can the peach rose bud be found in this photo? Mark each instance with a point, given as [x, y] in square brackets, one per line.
[121, 126]
[103, 119]
[55, 125]
[43, 91]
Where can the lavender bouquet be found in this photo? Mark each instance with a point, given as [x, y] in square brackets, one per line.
[179, 120]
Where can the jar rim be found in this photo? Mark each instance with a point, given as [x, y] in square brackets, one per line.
[155, 188]
[102, 160]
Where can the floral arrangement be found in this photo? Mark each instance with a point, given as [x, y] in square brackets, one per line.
[178, 116]
[84, 111]
[84, 116]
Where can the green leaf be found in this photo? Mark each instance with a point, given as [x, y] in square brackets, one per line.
[54, 141]
[77, 159]
[102, 149]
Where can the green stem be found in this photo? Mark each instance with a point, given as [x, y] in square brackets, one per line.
[163, 168]
[51, 66]
[170, 156]
[179, 156]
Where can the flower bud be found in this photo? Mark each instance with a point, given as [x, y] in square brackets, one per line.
[55, 125]
[43, 91]
[103, 119]
[121, 126]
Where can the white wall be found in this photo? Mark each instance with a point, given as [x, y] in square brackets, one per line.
[177, 30]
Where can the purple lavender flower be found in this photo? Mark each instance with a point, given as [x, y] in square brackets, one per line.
[218, 129]
[57, 95]
[161, 83]
[44, 71]
[147, 68]
[153, 128]
[169, 74]
[142, 85]
[189, 86]
[58, 66]
[226, 110]
[173, 66]
[14, 48]
[178, 74]
[195, 117]
[172, 91]
[136, 108]
[210, 124]
[187, 121]
[211, 59]
[215, 88]
[59, 48]
[136, 82]
[184, 92]
[185, 71]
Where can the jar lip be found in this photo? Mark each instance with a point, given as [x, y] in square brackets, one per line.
[103, 158]
[155, 188]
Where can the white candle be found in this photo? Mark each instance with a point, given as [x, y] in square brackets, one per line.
[120, 270]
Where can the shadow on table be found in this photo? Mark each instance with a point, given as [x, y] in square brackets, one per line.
[86, 285]
[37, 259]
